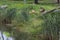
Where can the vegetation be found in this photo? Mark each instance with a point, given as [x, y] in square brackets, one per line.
[26, 22]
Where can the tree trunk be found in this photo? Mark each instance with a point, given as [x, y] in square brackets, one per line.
[24, 1]
[36, 1]
[58, 1]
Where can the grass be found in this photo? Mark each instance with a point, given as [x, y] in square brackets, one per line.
[33, 25]
[35, 22]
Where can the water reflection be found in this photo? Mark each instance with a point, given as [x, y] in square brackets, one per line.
[5, 37]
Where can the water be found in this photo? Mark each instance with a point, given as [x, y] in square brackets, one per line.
[5, 37]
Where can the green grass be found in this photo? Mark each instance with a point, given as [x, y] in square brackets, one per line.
[35, 22]
[33, 25]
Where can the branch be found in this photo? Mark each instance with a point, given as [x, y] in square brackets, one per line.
[51, 10]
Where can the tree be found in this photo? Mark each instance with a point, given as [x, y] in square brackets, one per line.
[36, 1]
[58, 1]
[24, 1]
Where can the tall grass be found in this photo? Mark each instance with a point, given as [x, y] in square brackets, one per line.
[51, 24]
[26, 26]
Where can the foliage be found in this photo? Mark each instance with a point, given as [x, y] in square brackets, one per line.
[51, 24]
[26, 24]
